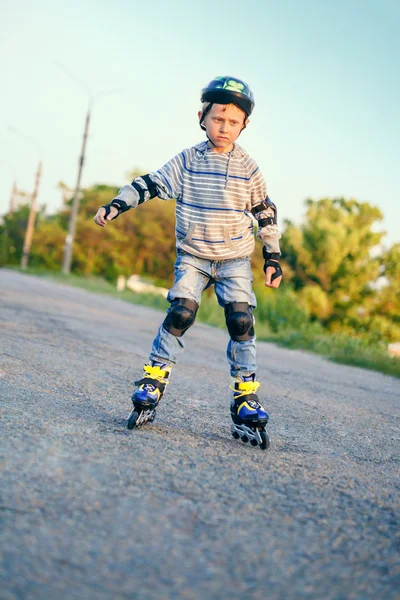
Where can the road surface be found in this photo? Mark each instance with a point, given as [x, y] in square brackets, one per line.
[179, 509]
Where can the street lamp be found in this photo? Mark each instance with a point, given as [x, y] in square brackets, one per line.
[69, 240]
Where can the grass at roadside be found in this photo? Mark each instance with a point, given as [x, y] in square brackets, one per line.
[340, 348]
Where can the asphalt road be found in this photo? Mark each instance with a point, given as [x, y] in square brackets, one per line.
[179, 509]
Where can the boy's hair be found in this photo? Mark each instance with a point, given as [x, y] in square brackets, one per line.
[206, 107]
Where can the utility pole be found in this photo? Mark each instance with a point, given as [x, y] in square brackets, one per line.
[69, 240]
[13, 197]
[31, 220]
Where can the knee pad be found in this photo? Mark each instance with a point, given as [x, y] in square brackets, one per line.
[239, 321]
[181, 316]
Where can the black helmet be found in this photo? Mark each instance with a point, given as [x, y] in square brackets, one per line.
[229, 90]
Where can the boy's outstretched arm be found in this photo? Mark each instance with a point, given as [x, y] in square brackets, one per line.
[164, 183]
[140, 190]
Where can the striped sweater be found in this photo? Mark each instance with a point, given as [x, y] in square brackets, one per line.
[214, 196]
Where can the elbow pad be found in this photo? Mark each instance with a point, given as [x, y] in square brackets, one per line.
[262, 212]
[151, 188]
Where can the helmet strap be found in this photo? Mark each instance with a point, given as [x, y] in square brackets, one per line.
[204, 114]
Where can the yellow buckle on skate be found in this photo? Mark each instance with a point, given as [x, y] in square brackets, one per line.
[156, 372]
[244, 388]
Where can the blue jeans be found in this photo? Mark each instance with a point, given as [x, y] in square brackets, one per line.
[232, 281]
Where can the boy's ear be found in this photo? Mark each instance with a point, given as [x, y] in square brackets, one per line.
[246, 122]
[199, 114]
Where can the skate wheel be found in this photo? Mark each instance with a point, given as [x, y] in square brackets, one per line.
[266, 440]
[245, 439]
[133, 417]
[254, 442]
[235, 435]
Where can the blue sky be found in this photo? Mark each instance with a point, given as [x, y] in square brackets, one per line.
[325, 77]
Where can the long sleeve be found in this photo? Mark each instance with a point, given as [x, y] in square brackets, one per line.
[166, 183]
[268, 232]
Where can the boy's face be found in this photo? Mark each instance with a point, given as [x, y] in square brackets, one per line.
[223, 123]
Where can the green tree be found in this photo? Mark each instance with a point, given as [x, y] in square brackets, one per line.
[382, 318]
[12, 235]
[48, 243]
[139, 241]
[330, 257]
[388, 298]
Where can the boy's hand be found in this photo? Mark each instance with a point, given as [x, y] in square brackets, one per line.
[100, 219]
[269, 272]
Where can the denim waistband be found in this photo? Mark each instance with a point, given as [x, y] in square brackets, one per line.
[180, 252]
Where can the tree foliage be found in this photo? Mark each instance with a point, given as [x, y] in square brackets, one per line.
[331, 257]
[12, 235]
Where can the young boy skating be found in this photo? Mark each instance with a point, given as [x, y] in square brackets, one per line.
[217, 187]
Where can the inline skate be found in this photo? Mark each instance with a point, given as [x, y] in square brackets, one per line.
[248, 416]
[148, 394]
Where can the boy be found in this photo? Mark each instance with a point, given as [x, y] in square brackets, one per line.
[216, 186]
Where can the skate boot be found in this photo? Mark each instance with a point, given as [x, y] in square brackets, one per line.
[248, 416]
[148, 394]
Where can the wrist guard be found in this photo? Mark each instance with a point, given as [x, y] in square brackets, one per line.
[271, 260]
[119, 204]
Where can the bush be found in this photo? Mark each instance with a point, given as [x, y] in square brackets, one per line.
[280, 311]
